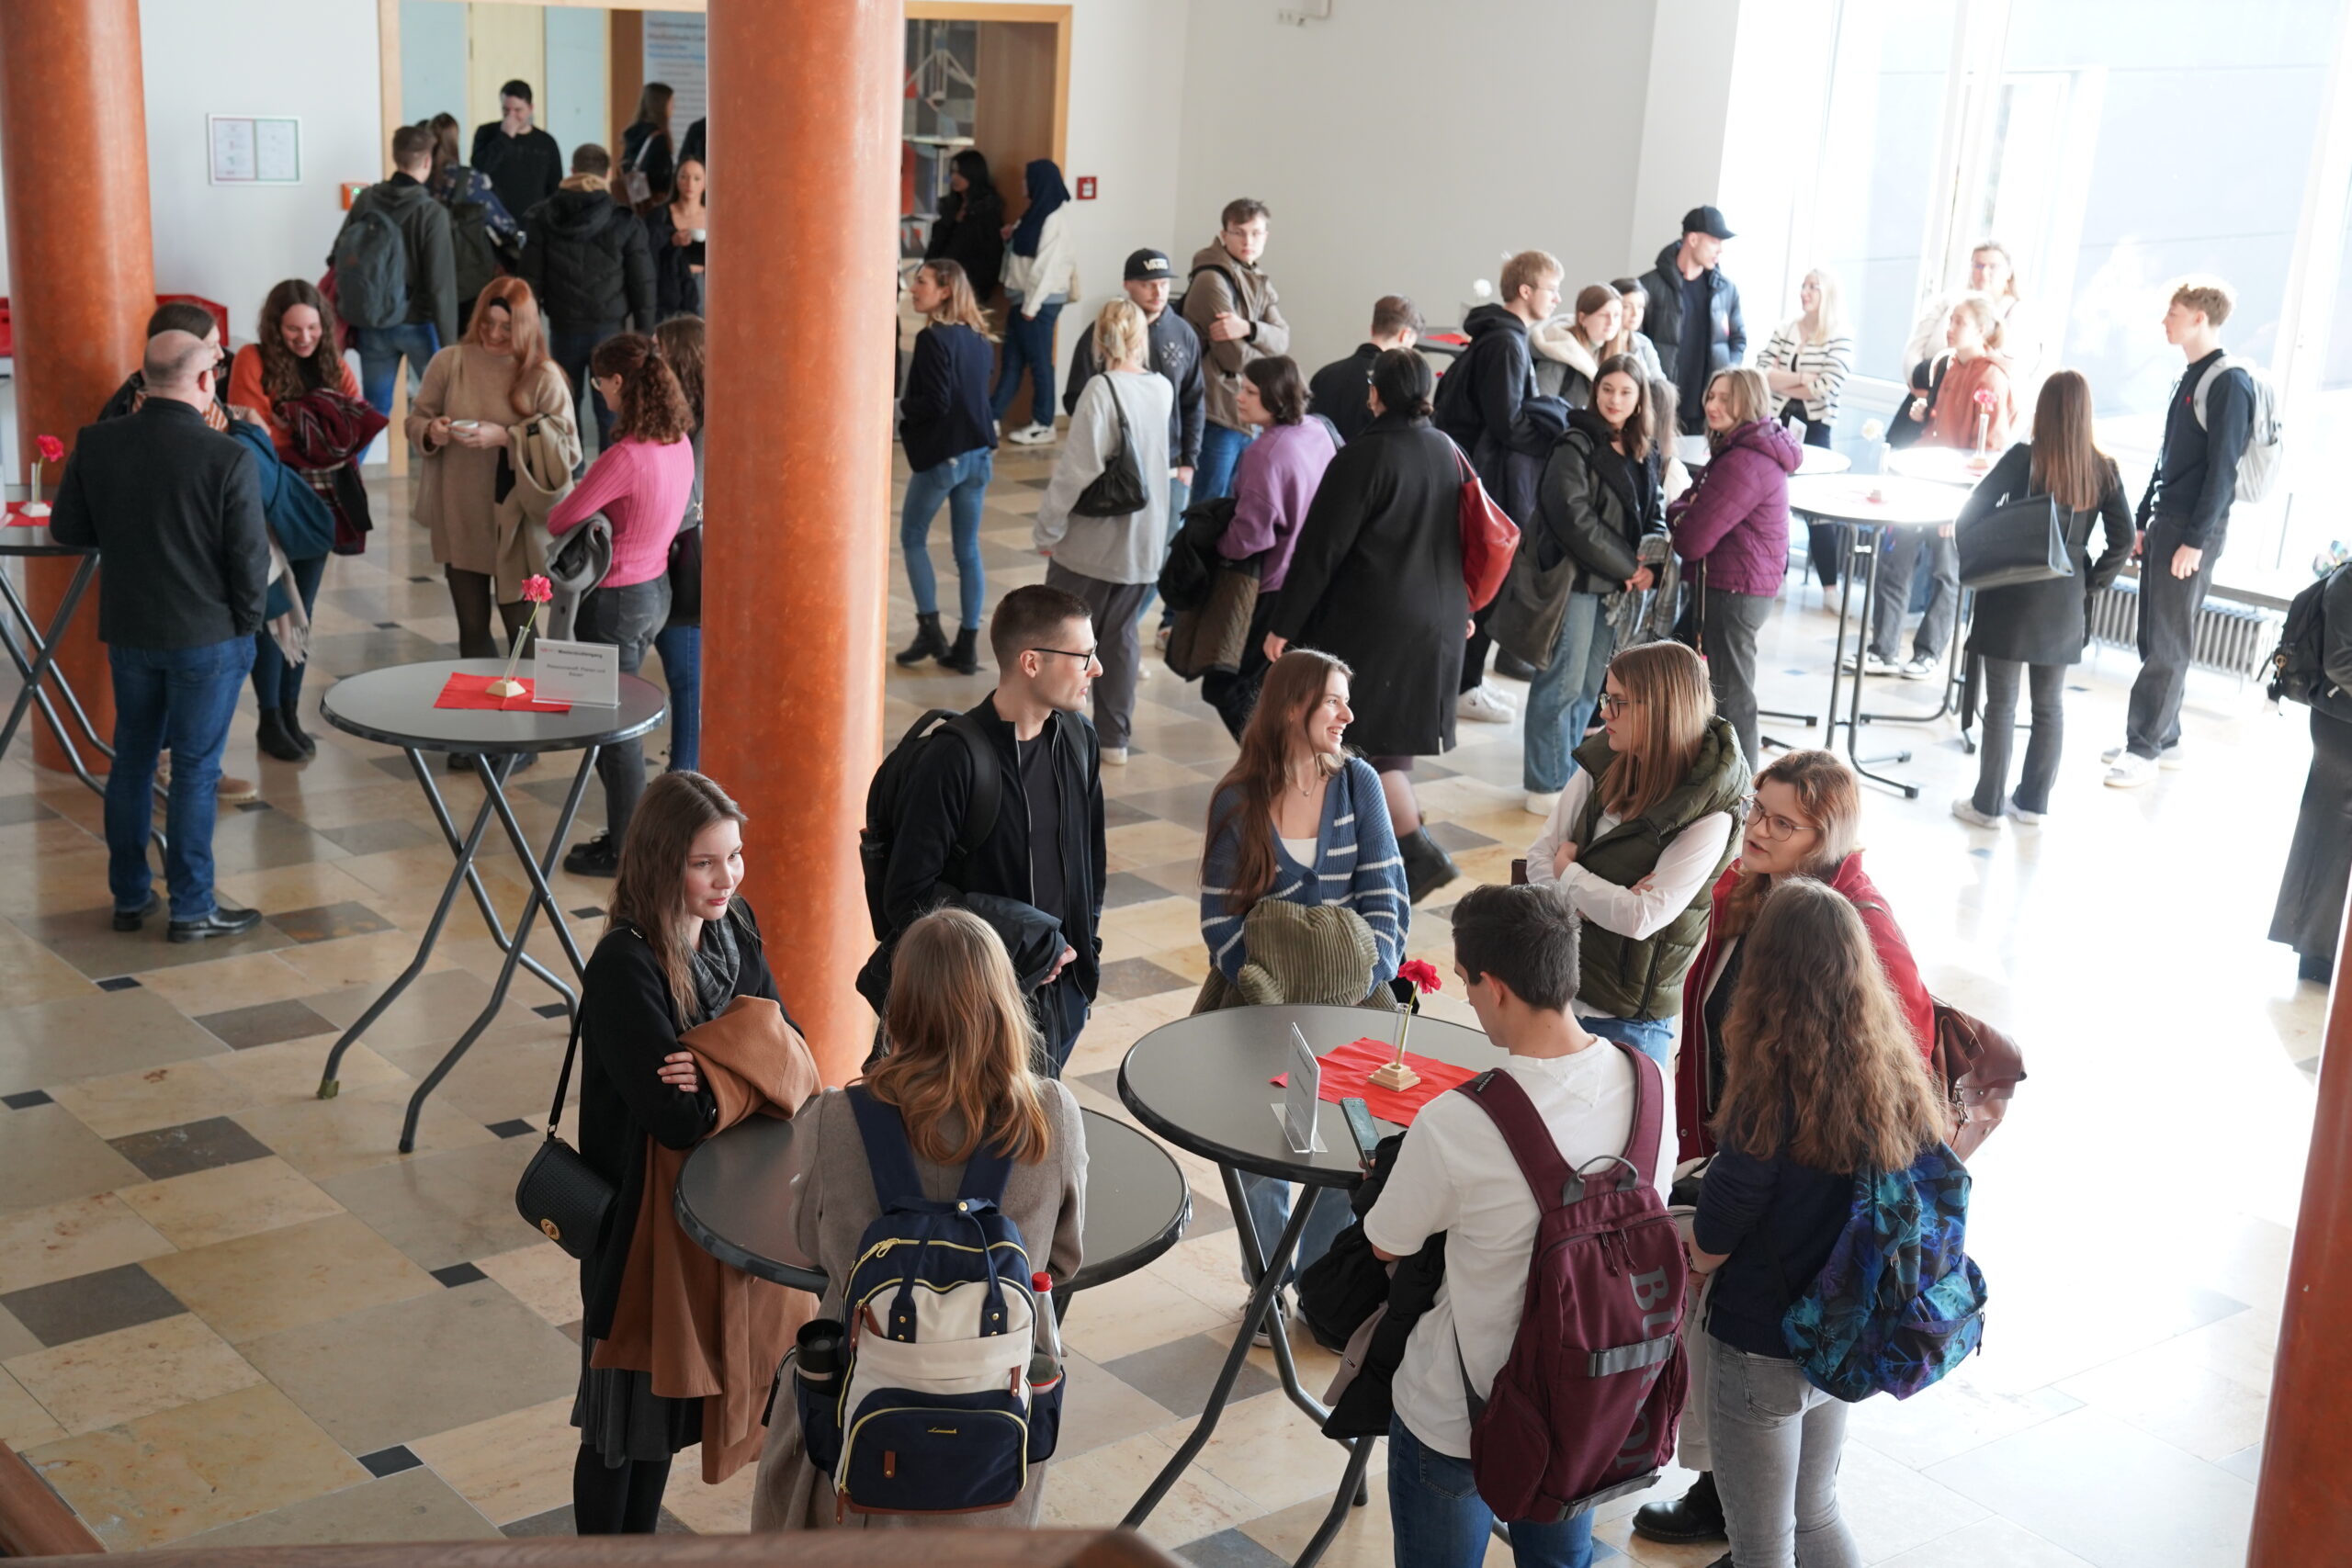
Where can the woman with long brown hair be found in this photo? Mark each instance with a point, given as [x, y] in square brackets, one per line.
[647, 154]
[641, 481]
[958, 1072]
[494, 391]
[1824, 1086]
[1640, 833]
[679, 643]
[950, 437]
[2034, 632]
[677, 233]
[485, 238]
[1568, 349]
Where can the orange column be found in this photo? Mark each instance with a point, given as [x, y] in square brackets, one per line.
[2303, 1509]
[803, 167]
[78, 310]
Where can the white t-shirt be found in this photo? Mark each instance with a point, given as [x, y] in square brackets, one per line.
[1455, 1174]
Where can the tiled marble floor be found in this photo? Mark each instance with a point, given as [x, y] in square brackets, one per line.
[231, 1313]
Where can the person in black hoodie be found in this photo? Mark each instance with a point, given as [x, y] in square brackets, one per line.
[523, 162]
[1693, 317]
[430, 322]
[1340, 390]
[585, 257]
[970, 230]
[950, 436]
[1489, 405]
[1037, 874]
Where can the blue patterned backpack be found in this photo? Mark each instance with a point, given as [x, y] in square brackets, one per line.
[1899, 1304]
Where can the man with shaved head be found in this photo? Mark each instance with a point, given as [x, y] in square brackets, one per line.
[174, 509]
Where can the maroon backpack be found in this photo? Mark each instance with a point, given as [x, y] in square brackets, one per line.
[1585, 1407]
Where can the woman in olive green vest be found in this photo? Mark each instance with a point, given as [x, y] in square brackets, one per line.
[1642, 830]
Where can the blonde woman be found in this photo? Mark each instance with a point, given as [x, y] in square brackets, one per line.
[1569, 348]
[959, 1073]
[1805, 366]
[1641, 833]
[950, 437]
[1118, 432]
[1732, 528]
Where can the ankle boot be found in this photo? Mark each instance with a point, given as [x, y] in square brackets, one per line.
[1426, 868]
[929, 642]
[290, 716]
[964, 657]
[1696, 1515]
[273, 740]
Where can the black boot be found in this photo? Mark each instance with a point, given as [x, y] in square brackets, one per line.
[964, 657]
[1512, 664]
[929, 643]
[273, 740]
[290, 716]
[1696, 1515]
[1426, 868]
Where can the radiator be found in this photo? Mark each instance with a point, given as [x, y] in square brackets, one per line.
[2230, 638]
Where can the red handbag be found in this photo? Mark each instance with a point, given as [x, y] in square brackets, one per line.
[1489, 538]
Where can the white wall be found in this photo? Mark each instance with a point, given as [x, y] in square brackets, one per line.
[1404, 147]
[312, 58]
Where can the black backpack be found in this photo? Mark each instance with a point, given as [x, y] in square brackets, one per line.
[370, 261]
[1232, 289]
[479, 254]
[2299, 664]
[875, 840]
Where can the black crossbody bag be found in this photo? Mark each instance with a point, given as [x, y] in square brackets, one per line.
[1117, 490]
[562, 1194]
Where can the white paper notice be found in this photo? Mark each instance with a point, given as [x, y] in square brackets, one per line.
[1303, 1096]
[588, 672]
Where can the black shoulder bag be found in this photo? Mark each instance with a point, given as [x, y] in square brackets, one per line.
[560, 1193]
[1117, 490]
[2017, 542]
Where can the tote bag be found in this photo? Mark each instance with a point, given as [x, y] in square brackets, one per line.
[1489, 538]
[2017, 542]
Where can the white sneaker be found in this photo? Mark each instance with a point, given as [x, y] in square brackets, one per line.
[2023, 818]
[1539, 803]
[1920, 668]
[1871, 664]
[1965, 809]
[1032, 435]
[2131, 772]
[1114, 756]
[1263, 1337]
[2172, 759]
[1482, 704]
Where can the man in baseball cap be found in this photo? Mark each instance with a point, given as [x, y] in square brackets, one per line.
[1693, 318]
[1175, 354]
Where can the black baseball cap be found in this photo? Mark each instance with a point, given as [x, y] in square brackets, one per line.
[1147, 264]
[1708, 220]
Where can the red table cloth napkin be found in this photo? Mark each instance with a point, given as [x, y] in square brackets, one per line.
[1347, 1074]
[473, 692]
[17, 519]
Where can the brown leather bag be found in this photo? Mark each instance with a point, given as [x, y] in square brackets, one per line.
[1981, 1068]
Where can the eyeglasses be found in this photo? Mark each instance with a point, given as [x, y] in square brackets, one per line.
[1089, 657]
[1612, 705]
[1775, 828]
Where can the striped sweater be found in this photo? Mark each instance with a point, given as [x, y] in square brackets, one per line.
[1356, 864]
[1825, 362]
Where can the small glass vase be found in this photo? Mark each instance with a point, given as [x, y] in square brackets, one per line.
[506, 685]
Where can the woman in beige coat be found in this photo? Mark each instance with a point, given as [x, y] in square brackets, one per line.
[493, 394]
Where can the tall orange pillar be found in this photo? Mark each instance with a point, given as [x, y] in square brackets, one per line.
[78, 310]
[804, 106]
[2302, 1508]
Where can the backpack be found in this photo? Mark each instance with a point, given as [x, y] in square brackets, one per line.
[875, 840]
[2299, 664]
[2265, 433]
[937, 1412]
[1898, 1304]
[476, 253]
[1232, 289]
[1585, 1407]
[370, 263]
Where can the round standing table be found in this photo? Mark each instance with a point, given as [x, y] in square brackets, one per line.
[36, 659]
[731, 1199]
[394, 705]
[1203, 1083]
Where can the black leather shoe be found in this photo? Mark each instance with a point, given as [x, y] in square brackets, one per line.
[291, 717]
[136, 919]
[1697, 1514]
[598, 857]
[220, 922]
[1512, 664]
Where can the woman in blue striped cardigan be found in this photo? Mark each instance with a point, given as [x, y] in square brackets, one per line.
[1298, 819]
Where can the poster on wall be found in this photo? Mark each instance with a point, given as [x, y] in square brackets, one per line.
[254, 150]
[674, 53]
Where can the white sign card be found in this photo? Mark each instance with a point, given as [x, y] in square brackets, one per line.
[254, 150]
[586, 672]
[1303, 1096]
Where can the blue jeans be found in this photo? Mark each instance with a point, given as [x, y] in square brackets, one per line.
[1269, 1204]
[179, 699]
[278, 684]
[681, 651]
[963, 483]
[382, 349]
[1028, 345]
[571, 351]
[1560, 699]
[1653, 1037]
[1441, 1522]
[1220, 455]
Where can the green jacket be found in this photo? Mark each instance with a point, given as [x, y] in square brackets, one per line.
[1623, 977]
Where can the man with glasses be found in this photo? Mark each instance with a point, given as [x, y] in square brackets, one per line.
[1034, 866]
[1233, 306]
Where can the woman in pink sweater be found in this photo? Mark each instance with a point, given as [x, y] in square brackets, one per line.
[641, 483]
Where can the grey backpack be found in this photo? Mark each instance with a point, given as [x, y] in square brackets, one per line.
[2265, 438]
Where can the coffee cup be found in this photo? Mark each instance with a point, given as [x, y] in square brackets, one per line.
[700, 236]
[468, 424]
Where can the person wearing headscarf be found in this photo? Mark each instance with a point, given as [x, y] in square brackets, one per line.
[1040, 277]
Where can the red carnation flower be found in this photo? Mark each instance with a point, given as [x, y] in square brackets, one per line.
[538, 589]
[1422, 974]
[51, 448]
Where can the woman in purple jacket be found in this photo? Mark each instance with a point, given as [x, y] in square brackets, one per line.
[1732, 531]
[1273, 487]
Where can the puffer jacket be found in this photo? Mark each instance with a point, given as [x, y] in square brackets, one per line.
[1664, 326]
[587, 259]
[1736, 519]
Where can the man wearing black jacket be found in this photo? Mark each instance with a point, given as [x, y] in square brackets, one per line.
[1340, 390]
[2184, 521]
[1693, 319]
[1038, 873]
[585, 257]
[523, 162]
[174, 507]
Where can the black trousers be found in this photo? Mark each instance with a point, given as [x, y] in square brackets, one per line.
[2168, 608]
[624, 1499]
[2046, 688]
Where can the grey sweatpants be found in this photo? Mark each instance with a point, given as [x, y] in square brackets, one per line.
[1114, 606]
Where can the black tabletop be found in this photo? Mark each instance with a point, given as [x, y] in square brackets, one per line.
[731, 1201]
[31, 541]
[395, 706]
[1204, 1083]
